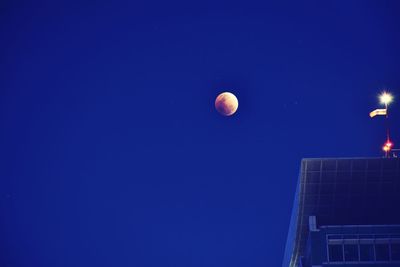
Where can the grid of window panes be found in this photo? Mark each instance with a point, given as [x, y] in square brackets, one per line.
[363, 248]
[347, 192]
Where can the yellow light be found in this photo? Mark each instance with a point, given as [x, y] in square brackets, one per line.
[387, 146]
[386, 98]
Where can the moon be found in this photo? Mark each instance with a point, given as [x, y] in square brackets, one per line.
[226, 104]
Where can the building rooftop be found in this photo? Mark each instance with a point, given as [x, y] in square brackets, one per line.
[343, 191]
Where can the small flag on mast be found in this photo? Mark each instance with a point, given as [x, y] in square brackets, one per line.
[379, 111]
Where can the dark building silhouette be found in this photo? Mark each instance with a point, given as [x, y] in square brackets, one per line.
[346, 213]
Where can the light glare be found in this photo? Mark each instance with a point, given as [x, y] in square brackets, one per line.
[387, 146]
[386, 98]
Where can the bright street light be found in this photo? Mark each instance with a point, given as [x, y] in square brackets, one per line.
[386, 98]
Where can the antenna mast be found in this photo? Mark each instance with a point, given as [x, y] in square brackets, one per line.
[385, 98]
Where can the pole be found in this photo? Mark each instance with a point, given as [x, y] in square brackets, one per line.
[387, 129]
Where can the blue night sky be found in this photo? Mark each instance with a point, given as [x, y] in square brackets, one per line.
[112, 153]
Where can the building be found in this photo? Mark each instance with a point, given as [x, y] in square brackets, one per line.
[346, 213]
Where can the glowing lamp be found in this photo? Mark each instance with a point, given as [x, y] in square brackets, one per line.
[387, 146]
[385, 98]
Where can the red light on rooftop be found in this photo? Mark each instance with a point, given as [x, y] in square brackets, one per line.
[387, 146]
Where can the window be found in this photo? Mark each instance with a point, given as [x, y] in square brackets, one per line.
[343, 177]
[351, 252]
[328, 165]
[327, 188]
[313, 177]
[328, 177]
[312, 188]
[363, 248]
[314, 165]
[358, 177]
[382, 252]
[395, 249]
[367, 252]
[335, 253]
[359, 165]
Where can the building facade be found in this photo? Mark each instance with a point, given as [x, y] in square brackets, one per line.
[346, 213]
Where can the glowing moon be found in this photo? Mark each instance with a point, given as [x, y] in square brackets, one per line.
[226, 104]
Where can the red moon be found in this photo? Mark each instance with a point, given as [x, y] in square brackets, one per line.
[226, 104]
